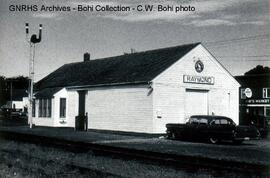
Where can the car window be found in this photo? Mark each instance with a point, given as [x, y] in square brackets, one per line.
[223, 121]
[203, 121]
[194, 120]
[217, 121]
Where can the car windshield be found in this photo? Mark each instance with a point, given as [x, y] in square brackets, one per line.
[195, 120]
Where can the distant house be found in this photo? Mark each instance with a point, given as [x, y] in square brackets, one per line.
[138, 92]
[18, 100]
[254, 95]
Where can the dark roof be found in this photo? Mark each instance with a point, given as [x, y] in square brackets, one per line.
[47, 92]
[259, 80]
[130, 68]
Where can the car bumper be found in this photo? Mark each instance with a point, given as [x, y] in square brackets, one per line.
[247, 138]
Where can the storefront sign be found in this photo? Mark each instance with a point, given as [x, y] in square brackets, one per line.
[248, 92]
[198, 79]
[257, 101]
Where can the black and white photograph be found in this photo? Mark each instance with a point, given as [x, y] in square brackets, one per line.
[134, 88]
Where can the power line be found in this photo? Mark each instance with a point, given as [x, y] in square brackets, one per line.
[261, 56]
[256, 37]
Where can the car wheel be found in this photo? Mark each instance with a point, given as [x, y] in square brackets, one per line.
[173, 136]
[213, 140]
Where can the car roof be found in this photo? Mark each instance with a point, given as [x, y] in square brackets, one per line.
[209, 116]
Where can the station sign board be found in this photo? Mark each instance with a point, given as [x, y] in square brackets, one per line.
[199, 79]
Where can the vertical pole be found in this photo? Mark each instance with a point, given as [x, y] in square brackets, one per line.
[31, 42]
[11, 107]
[31, 86]
[11, 88]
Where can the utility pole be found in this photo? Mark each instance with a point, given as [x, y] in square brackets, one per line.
[32, 42]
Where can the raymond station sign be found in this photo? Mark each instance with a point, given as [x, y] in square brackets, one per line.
[198, 79]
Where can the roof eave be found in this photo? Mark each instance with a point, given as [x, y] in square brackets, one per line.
[107, 85]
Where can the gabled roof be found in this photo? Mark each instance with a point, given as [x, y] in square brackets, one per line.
[130, 69]
[256, 80]
[47, 92]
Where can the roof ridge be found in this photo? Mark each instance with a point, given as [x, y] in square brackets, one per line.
[140, 52]
[140, 66]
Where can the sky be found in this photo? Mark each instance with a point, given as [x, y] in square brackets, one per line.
[236, 32]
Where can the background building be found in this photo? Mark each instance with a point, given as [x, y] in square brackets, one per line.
[254, 94]
[13, 92]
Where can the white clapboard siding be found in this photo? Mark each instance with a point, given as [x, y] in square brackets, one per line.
[73, 107]
[169, 89]
[127, 108]
[55, 120]
[58, 122]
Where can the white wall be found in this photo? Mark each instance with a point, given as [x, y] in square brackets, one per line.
[72, 107]
[125, 108]
[60, 122]
[169, 89]
[55, 120]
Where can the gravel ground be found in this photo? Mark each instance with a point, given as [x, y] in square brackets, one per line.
[253, 152]
[30, 160]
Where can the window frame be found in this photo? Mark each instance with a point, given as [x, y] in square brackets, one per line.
[242, 93]
[62, 108]
[45, 107]
[265, 95]
[34, 108]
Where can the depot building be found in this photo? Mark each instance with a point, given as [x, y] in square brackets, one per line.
[137, 92]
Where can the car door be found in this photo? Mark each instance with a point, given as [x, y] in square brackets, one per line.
[214, 128]
[191, 128]
[227, 128]
[202, 129]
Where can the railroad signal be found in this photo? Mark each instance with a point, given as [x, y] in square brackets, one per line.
[32, 42]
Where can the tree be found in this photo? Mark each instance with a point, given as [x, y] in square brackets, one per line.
[17, 83]
[3, 90]
[259, 69]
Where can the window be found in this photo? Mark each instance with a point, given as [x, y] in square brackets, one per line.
[62, 107]
[40, 108]
[223, 121]
[197, 121]
[49, 111]
[243, 95]
[266, 92]
[267, 111]
[44, 108]
[194, 121]
[34, 108]
[204, 121]
[217, 121]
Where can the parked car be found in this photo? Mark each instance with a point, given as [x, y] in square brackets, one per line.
[260, 122]
[14, 113]
[213, 129]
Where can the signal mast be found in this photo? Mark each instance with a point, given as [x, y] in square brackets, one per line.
[32, 42]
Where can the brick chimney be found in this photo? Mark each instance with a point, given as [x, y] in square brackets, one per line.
[86, 57]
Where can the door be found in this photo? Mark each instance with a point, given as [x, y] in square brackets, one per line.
[196, 102]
